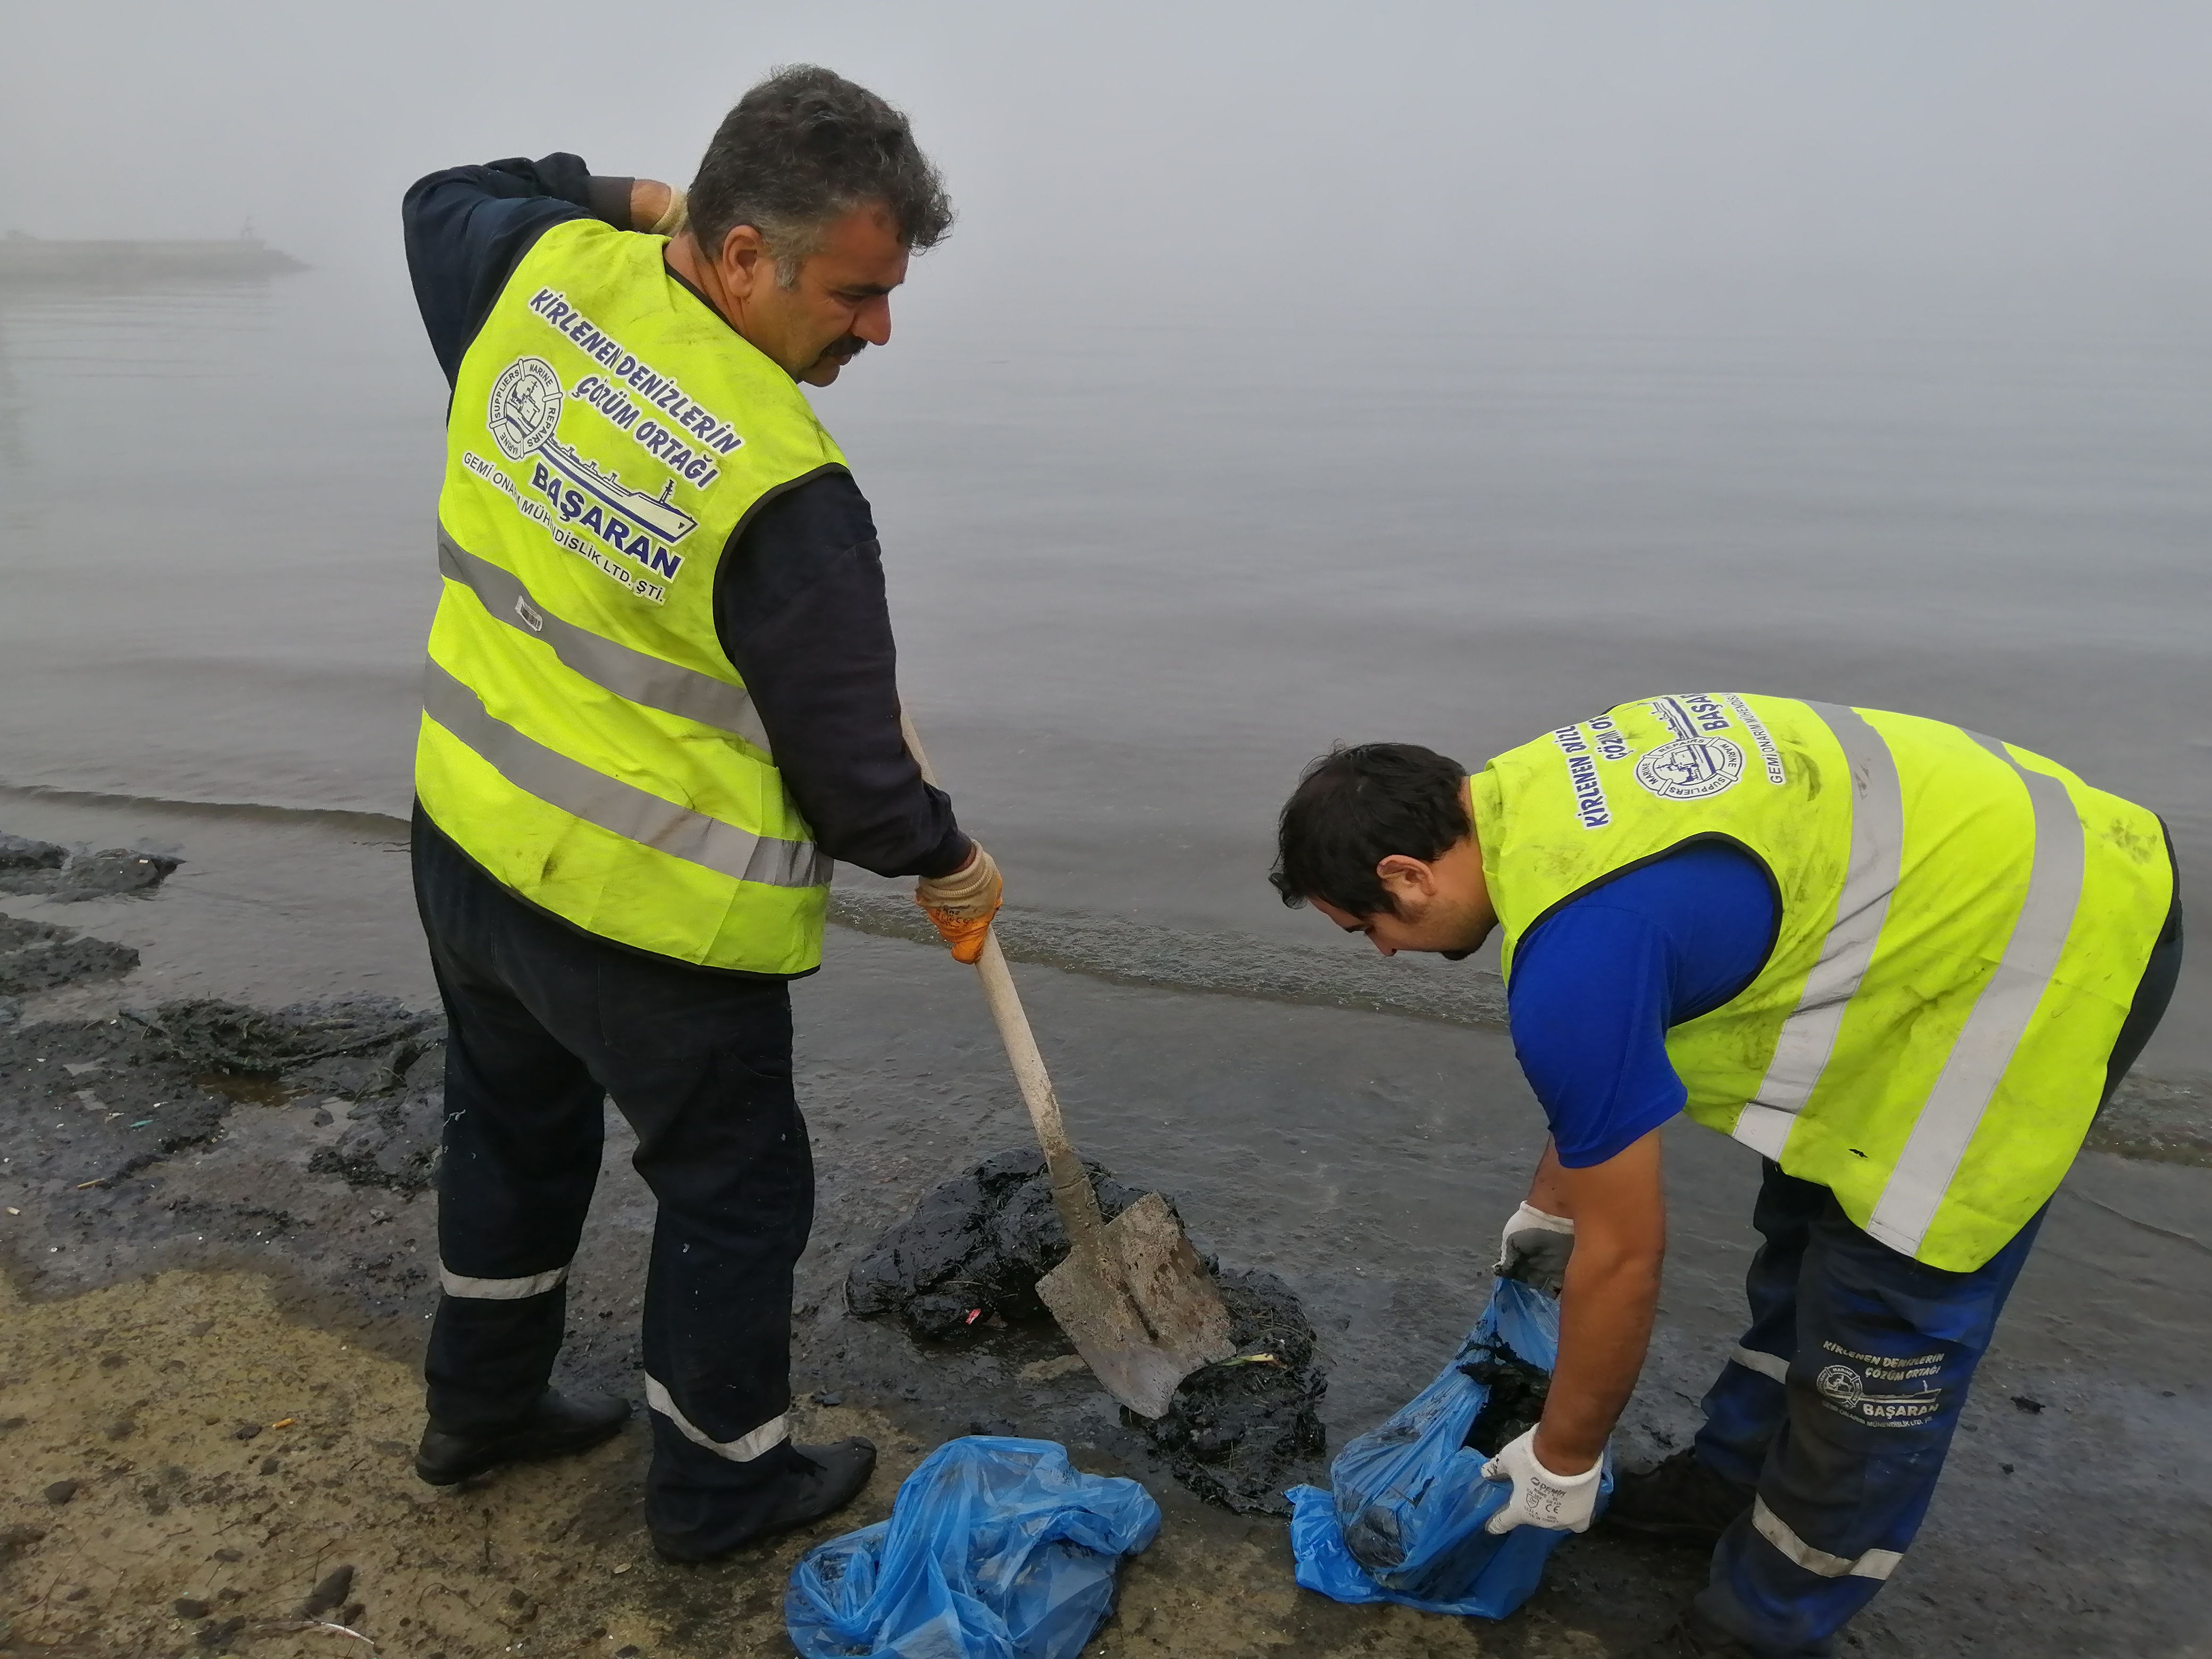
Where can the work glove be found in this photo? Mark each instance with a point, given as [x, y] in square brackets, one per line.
[1535, 1247]
[961, 905]
[1556, 1503]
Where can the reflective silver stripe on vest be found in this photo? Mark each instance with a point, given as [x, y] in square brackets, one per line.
[500, 1290]
[1766, 1364]
[1875, 1563]
[635, 676]
[765, 1438]
[1809, 1034]
[635, 813]
[1985, 1043]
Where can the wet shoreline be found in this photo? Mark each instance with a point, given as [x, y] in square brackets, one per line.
[1364, 1158]
[2161, 1116]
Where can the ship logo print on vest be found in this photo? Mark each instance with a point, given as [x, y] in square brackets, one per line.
[1691, 768]
[525, 406]
[523, 416]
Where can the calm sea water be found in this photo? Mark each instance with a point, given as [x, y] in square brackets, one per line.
[1142, 573]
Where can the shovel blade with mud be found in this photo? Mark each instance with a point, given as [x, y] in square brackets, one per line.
[1145, 1316]
[1133, 1295]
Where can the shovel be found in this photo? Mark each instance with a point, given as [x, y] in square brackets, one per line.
[1133, 1295]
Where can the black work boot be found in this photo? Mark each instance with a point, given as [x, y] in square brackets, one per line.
[1690, 1638]
[811, 1482]
[1680, 1498]
[557, 1425]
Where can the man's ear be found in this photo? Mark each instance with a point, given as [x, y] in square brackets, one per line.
[740, 259]
[1405, 877]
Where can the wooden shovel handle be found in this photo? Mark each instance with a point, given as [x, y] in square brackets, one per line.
[1073, 1195]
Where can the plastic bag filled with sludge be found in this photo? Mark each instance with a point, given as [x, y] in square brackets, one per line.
[997, 1549]
[1404, 1522]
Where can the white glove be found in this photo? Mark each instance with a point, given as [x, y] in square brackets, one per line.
[1557, 1502]
[1535, 1247]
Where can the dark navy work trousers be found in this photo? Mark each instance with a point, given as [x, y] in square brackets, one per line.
[1837, 1410]
[545, 1023]
[1839, 1405]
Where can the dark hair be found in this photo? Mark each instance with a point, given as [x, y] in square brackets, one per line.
[1355, 808]
[804, 149]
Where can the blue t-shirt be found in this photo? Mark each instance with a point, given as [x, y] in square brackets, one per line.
[1597, 982]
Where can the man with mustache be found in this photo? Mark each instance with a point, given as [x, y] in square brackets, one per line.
[661, 699]
[1906, 963]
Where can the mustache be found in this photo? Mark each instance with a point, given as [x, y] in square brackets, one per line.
[844, 349]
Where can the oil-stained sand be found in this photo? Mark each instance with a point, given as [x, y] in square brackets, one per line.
[194, 1524]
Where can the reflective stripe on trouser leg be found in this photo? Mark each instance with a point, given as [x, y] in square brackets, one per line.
[1766, 1364]
[1867, 1563]
[492, 1346]
[1770, 1366]
[501, 1290]
[745, 1448]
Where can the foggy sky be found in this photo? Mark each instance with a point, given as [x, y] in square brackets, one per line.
[1334, 159]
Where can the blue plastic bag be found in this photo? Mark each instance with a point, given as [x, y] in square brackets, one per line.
[1405, 1524]
[996, 1548]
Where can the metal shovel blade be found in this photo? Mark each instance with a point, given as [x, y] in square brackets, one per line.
[1146, 1316]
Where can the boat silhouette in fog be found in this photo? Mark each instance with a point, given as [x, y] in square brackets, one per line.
[27, 259]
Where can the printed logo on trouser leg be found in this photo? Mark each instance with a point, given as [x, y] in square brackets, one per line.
[1882, 1393]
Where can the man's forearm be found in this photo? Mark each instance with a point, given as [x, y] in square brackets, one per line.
[1605, 1327]
[1606, 1303]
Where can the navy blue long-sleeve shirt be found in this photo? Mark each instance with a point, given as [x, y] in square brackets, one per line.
[799, 605]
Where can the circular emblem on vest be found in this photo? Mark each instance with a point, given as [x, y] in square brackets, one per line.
[525, 406]
[1840, 1383]
[1690, 768]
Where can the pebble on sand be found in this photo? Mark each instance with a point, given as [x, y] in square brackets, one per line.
[330, 1592]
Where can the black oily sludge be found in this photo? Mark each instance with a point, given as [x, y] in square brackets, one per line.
[971, 1256]
[382, 1035]
[385, 1060]
[1235, 1432]
[974, 1249]
[1516, 1401]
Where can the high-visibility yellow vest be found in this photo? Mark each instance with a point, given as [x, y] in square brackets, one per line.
[585, 737]
[1962, 928]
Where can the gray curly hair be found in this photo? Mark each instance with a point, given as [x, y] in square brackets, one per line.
[800, 151]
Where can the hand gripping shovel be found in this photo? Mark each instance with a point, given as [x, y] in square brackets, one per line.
[1133, 1295]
